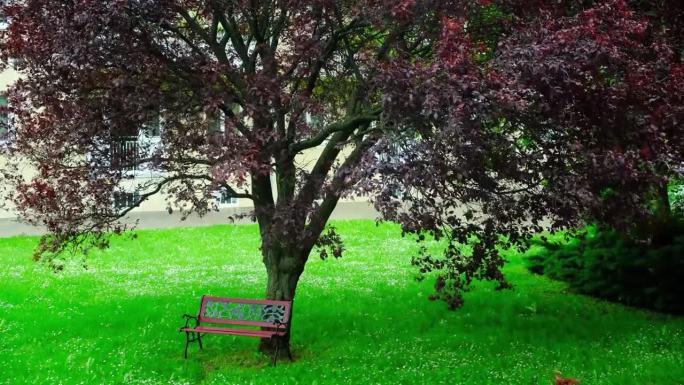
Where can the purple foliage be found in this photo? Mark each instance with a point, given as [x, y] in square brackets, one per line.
[576, 116]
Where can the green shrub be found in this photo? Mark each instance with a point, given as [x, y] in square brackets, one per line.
[676, 196]
[605, 265]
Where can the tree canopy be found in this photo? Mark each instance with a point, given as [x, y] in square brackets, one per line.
[475, 122]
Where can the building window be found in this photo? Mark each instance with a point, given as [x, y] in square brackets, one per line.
[152, 127]
[124, 200]
[129, 149]
[4, 21]
[218, 123]
[223, 198]
[4, 116]
[125, 152]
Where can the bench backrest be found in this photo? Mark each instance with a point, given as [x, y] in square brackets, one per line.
[247, 312]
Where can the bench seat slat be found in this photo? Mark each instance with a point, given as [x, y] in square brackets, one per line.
[237, 322]
[241, 332]
[245, 300]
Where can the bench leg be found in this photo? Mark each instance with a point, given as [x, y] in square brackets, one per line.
[277, 347]
[195, 337]
[187, 342]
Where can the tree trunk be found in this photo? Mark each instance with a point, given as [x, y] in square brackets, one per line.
[662, 221]
[284, 269]
[657, 229]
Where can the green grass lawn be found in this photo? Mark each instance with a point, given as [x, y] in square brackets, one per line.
[359, 320]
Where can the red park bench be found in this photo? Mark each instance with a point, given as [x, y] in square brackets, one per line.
[217, 315]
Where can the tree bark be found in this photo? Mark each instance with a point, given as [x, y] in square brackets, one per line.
[662, 222]
[283, 267]
[658, 228]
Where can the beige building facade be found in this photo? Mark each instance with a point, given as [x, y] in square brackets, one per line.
[153, 212]
[7, 77]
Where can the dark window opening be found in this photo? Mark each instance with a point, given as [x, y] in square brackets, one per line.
[224, 198]
[125, 152]
[124, 200]
[152, 127]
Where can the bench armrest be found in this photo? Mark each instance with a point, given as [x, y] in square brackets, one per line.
[187, 318]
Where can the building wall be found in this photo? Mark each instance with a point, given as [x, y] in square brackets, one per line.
[7, 77]
[157, 203]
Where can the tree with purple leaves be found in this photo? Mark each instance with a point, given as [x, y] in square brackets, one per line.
[476, 123]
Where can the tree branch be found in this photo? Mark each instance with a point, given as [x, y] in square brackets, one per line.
[344, 126]
[340, 182]
[230, 26]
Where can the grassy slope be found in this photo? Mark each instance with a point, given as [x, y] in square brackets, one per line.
[360, 320]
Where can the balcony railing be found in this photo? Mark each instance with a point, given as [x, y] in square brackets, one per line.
[125, 152]
[124, 199]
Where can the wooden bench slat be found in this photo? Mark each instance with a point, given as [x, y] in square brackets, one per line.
[240, 323]
[247, 312]
[245, 332]
[247, 300]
